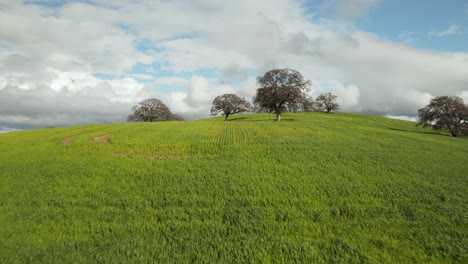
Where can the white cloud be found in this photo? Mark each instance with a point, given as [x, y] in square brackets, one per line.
[4, 129]
[42, 107]
[387, 72]
[71, 99]
[407, 37]
[142, 76]
[405, 118]
[201, 92]
[196, 101]
[247, 88]
[174, 81]
[348, 96]
[451, 30]
[464, 96]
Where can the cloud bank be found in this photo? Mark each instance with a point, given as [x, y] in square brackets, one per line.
[76, 62]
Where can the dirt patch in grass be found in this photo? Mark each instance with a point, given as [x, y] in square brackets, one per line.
[103, 139]
[70, 140]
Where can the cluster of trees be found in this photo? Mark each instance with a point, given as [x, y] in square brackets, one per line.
[280, 90]
[446, 113]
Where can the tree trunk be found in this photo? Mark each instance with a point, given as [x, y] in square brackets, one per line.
[226, 117]
[278, 116]
[453, 131]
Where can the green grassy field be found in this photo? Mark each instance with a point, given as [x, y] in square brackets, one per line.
[313, 188]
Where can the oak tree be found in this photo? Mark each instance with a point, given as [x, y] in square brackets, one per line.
[445, 113]
[152, 110]
[229, 104]
[279, 89]
[327, 101]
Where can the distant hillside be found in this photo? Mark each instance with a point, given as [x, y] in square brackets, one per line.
[332, 188]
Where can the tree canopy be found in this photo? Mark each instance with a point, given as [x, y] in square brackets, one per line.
[280, 88]
[327, 102]
[152, 110]
[229, 104]
[445, 113]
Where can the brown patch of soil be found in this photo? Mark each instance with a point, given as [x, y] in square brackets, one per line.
[102, 139]
[70, 140]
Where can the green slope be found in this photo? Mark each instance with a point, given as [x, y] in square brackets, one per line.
[312, 188]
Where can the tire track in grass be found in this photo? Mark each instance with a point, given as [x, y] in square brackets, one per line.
[207, 138]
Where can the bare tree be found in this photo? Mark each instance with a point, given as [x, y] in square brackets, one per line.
[152, 110]
[327, 102]
[307, 104]
[229, 104]
[313, 106]
[279, 89]
[445, 113]
[177, 117]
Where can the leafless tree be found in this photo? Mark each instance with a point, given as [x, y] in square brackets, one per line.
[152, 110]
[313, 106]
[177, 117]
[279, 89]
[445, 113]
[229, 104]
[327, 102]
[307, 104]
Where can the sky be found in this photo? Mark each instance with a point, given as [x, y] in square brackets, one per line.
[66, 62]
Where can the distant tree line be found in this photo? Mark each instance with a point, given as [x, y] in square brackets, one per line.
[286, 90]
[280, 90]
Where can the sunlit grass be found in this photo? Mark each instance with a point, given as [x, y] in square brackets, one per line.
[311, 188]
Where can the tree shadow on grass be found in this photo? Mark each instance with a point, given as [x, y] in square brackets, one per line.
[421, 132]
[237, 118]
[260, 120]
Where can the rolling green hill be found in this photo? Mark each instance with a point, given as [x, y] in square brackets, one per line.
[339, 188]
